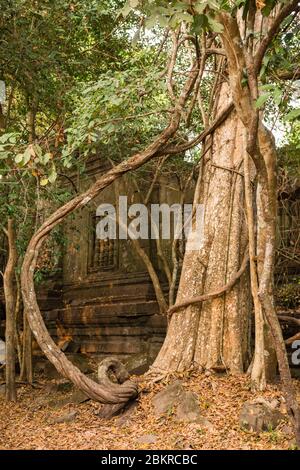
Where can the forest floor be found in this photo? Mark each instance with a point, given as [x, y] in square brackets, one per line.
[31, 423]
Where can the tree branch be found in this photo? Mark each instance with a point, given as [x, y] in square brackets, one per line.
[174, 149]
[272, 31]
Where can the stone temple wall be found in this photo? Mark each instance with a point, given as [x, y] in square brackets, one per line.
[106, 305]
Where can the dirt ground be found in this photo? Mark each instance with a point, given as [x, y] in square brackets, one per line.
[30, 423]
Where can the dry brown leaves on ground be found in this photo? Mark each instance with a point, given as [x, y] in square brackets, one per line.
[29, 423]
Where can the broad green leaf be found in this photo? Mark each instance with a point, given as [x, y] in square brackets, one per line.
[38, 150]
[262, 100]
[277, 95]
[267, 87]
[200, 23]
[214, 25]
[162, 21]
[9, 137]
[4, 155]
[19, 158]
[127, 8]
[44, 181]
[295, 113]
[238, 3]
[269, 4]
[46, 158]
[186, 17]
[265, 63]
[199, 7]
[52, 176]
[151, 21]
[27, 156]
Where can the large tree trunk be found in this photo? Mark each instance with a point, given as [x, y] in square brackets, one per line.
[215, 334]
[9, 287]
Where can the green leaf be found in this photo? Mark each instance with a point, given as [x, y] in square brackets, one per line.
[38, 151]
[52, 176]
[179, 17]
[45, 159]
[44, 181]
[4, 155]
[214, 25]
[295, 113]
[200, 7]
[127, 8]
[19, 158]
[267, 87]
[9, 137]
[238, 3]
[266, 10]
[151, 21]
[162, 21]
[200, 23]
[265, 63]
[277, 96]
[261, 100]
[26, 156]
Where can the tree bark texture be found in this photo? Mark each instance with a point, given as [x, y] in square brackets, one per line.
[215, 333]
[9, 287]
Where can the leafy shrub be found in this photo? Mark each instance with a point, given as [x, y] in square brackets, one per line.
[288, 294]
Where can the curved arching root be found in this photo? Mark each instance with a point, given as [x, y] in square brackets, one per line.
[111, 371]
[112, 374]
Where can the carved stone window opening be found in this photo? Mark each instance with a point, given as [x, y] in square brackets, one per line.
[103, 253]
